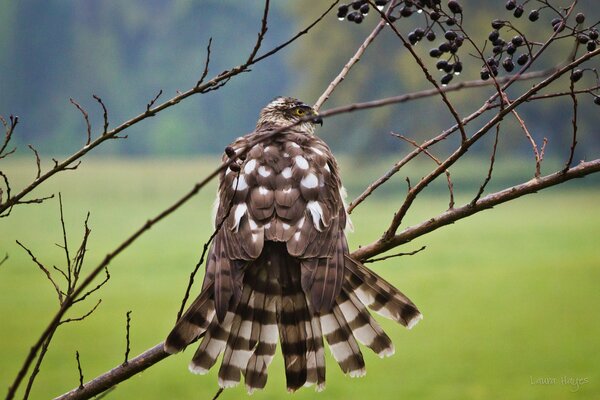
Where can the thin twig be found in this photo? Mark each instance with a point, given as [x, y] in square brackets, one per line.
[81, 318]
[151, 103]
[490, 169]
[9, 130]
[574, 122]
[37, 161]
[104, 114]
[79, 370]
[534, 147]
[436, 160]
[261, 34]
[127, 326]
[4, 259]
[45, 271]
[65, 245]
[206, 64]
[410, 253]
[87, 121]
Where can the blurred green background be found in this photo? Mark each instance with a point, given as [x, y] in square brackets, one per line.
[510, 296]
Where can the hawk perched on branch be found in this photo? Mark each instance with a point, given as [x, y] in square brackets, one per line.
[279, 266]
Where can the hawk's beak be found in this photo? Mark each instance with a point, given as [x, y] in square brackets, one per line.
[316, 119]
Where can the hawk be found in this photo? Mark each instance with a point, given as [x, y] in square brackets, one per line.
[279, 268]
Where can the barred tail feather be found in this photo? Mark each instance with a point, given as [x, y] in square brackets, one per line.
[315, 354]
[366, 330]
[238, 350]
[193, 323]
[342, 343]
[212, 345]
[264, 335]
[381, 297]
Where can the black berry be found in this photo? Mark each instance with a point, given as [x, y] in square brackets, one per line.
[522, 60]
[450, 35]
[446, 79]
[434, 15]
[458, 67]
[511, 4]
[494, 35]
[431, 36]
[580, 18]
[576, 75]
[454, 7]
[534, 15]
[597, 101]
[435, 53]
[497, 24]
[342, 11]
[517, 40]
[484, 74]
[406, 11]
[518, 11]
[591, 45]
[508, 65]
[441, 65]
[511, 48]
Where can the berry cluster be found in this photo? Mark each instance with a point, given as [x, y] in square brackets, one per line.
[435, 18]
[358, 9]
[505, 50]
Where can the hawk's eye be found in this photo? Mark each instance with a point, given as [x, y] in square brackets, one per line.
[300, 111]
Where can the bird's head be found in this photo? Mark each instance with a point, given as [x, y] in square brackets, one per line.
[283, 111]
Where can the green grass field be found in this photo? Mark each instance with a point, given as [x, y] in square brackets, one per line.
[510, 296]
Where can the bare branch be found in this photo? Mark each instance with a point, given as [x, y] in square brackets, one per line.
[411, 253]
[151, 103]
[79, 370]
[45, 271]
[490, 169]
[104, 114]
[87, 121]
[118, 374]
[489, 201]
[536, 152]
[4, 259]
[206, 63]
[84, 316]
[127, 348]
[438, 162]
[574, 122]
[9, 129]
[261, 34]
[65, 246]
[37, 161]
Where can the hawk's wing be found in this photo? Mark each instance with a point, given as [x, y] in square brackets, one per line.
[287, 190]
[280, 266]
